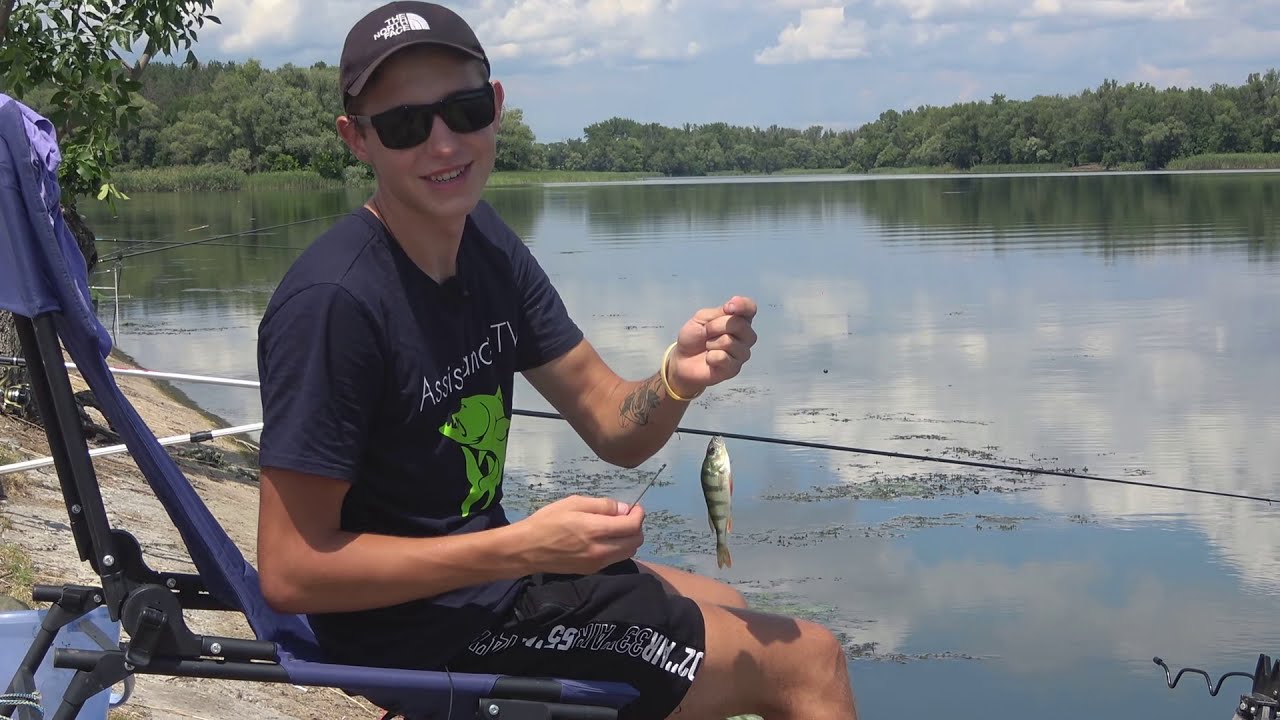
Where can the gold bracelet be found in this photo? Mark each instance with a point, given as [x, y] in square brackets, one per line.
[665, 383]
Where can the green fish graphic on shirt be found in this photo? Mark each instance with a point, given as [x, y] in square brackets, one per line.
[480, 428]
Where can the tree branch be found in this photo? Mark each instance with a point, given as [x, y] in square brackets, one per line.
[143, 59]
[6, 9]
[141, 65]
[123, 63]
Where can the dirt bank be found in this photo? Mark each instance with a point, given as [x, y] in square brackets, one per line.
[37, 542]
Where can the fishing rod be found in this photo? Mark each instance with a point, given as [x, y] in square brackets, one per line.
[162, 238]
[132, 243]
[205, 379]
[224, 236]
[197, 436]
[760, 439]
[929, 458]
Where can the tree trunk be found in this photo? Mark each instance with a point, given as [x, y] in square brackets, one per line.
[81, 232]
[6, 10]
[9, 376]
[8, 339]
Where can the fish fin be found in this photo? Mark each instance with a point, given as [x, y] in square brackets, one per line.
[730, 483]
[728, 528]
[723, 559]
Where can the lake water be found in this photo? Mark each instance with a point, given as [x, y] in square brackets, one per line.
[1126, 324]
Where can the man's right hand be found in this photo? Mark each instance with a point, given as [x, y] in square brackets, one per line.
[582, 534]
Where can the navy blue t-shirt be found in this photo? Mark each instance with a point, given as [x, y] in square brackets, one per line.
[374, 373]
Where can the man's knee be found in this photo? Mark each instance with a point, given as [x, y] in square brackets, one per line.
[768, 664]
[729, 597]
[826, 651]
[830, 646]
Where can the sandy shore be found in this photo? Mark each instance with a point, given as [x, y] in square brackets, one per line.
[34, 521]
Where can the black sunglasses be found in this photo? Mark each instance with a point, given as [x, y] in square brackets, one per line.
[406, 126]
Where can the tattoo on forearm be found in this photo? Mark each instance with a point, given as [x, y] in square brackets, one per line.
[637, 405]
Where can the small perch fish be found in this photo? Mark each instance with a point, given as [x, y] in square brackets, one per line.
[717, 488]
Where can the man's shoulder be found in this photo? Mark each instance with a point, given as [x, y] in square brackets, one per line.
[344, 258]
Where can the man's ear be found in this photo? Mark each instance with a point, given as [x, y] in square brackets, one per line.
[353, 136]
[499, 96]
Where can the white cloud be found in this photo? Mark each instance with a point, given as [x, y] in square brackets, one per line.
[976, 9]
[801, 4]
[552, 32]
[1239, 41]
[1114, 9]
[925, 9]
[249, 24]
[822, 34]
[568, 32]
[1164, 77]
[902, 28]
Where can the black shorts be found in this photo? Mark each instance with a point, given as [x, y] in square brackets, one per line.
[618, 625]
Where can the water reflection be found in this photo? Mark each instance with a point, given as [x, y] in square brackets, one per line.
[1123, 324]
[1108, 214]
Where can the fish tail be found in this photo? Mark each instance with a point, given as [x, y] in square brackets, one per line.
[723, 558]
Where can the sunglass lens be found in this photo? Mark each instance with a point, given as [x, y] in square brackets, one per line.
[402, 127]
[469, 113]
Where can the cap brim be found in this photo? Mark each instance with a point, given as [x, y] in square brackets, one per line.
[358, 83]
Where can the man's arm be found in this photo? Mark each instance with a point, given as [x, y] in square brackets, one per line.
[307, 564]
[626, 421]
[623, 421]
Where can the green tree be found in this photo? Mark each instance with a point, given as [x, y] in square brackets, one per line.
[77, 49]
[258, 120]
[517, 147]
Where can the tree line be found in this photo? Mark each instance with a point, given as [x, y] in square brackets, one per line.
[257, 119]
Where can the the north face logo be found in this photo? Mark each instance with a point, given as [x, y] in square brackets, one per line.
[400, 23]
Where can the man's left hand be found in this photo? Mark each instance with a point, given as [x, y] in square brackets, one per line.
[712, 346]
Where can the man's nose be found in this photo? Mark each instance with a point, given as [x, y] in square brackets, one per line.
[442, 140]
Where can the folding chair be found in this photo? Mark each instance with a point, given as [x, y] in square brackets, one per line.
[43, 281]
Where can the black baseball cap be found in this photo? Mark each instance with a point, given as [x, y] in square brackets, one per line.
[395, 26]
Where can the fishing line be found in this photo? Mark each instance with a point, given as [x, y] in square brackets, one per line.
[122, 256]
[20, 362]
[930, 458]
[132, 243]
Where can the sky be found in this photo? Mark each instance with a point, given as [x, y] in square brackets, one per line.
[795, 63]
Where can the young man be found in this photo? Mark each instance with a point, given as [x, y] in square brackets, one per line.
[387, 356]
